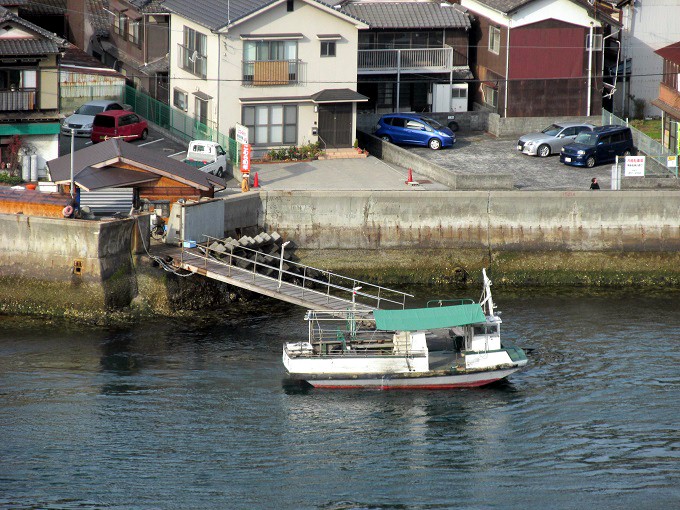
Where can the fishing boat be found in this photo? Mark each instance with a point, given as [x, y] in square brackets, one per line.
[447, 344]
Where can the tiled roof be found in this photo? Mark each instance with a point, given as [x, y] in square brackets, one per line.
[160, 65]
[215, 14]
[148, 6]
[115, 150]
[408, 14]
[44, 7]
[98, 17]
[504, 6]
[10, 47]
[74, 57]
[8, 16]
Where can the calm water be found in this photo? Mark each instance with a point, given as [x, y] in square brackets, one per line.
[194, 415]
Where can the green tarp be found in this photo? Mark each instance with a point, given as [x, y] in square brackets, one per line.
[42, 128]
[429, 318]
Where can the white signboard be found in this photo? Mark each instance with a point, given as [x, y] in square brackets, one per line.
[635, 166]
[672, 161]
[241, 134]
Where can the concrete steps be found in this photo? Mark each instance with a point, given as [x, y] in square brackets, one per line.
[344, 153]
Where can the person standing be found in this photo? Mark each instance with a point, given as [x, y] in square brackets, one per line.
[594, 184]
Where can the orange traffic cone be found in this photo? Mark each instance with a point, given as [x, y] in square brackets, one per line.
[256, 181]
[410, 176]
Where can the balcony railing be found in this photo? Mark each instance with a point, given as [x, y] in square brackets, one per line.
[410, 60]
[17, 100]
[263, 73]
[190, 60]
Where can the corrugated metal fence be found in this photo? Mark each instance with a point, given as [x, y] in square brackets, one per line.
[650, 147]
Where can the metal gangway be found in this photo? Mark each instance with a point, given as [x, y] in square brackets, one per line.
[279, 278]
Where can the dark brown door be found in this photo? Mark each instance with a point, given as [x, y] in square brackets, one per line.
[335, 124]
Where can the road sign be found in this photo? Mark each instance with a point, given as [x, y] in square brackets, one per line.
[241, 134]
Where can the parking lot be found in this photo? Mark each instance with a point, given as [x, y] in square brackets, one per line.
[481, 153]
[474, 153]
[155, 141]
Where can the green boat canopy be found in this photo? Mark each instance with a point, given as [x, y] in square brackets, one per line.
[415, 319]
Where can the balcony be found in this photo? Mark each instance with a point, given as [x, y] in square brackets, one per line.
[190, 60]
[415, 60]
[265, 73]
[17, 100]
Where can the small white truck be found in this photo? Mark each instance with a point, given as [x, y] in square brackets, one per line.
[207, 156]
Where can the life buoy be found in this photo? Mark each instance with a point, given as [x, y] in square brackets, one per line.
[67, 211]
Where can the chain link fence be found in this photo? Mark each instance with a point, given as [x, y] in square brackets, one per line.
[646, 145]
[178, 123]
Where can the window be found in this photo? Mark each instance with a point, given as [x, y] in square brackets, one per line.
[597, 42]
[180, 99]
[120, 24]
[494, 40]
[193, 53]
[271, 124]
[327, 48]
[133, 32]
[490, 96]
[270, 62]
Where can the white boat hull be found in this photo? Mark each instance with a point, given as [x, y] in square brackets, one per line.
[409, 381]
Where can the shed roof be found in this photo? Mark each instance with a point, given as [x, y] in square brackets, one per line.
[670, 52]
[418, 319]
[409, 14]
[102, 156]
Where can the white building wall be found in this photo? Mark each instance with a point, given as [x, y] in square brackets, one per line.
[648, 26]
[186, 81]
[46, 147]
[317, 73]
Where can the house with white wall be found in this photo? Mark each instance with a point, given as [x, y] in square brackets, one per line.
[648, 25]
[286, 69]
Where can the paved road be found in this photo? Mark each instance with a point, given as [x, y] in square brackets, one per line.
[480, 153]
[155, 141]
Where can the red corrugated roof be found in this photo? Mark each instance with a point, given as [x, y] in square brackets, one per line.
[670, 52]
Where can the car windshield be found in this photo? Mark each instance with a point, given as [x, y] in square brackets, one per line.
[89, 109]
[586, 138]
[432, 122]
[552, 130]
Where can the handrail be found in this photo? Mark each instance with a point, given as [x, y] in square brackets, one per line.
[304, 276]
[462, 301]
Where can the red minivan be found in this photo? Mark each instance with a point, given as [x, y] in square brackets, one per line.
[121, 124]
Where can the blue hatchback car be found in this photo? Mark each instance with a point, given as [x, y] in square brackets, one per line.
[414, 129]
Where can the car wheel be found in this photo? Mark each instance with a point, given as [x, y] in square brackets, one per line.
[453, 126]
[590, 162]
[543, 150]
[385, 138]
[434, 144]
[220, 172]
[145, 133]
[627, 153]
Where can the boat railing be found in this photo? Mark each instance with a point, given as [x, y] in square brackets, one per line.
[449, 302]
[308, 278]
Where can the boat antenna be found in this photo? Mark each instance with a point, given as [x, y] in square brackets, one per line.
[486, 298]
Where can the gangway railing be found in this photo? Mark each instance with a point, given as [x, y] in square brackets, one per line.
[307, 278]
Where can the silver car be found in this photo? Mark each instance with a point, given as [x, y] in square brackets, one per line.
[81, 120]
[551, 139]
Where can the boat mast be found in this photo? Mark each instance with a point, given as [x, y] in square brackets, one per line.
[486, 298]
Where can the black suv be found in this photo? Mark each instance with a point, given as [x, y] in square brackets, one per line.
[600, 145]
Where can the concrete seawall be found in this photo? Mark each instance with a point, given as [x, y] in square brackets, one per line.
[78, 264]
[625, 221]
